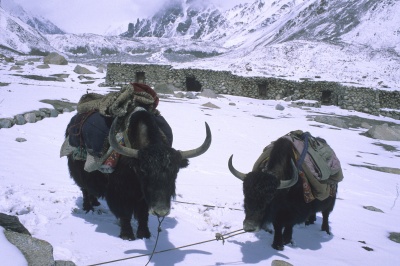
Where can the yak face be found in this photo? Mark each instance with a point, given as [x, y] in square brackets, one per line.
[259, 189]
[158, 169]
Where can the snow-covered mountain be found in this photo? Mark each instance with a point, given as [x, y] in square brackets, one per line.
[351, 41]
[18, 37]
[40, 23]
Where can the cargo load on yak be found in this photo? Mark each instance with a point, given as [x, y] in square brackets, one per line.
[88, 130]
[318, 166]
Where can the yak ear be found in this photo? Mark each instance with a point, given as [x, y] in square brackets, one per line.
[184, 163]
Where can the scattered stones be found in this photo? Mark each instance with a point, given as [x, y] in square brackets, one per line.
[210, 105]
[35, 251]
[6, 122]
[165, 88]
[384, 132]
[55, 59]
[30, 117]
[208, 93]
[279, 107]
[191, 95]
[331, 120]
[395, 237]
[389, 170]
[280, 263]
[44, 66]
[82, 70]
[372, 208]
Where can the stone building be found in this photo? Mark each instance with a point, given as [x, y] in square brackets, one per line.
[367, 100]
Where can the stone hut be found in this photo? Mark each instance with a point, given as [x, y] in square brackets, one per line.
[361, 99]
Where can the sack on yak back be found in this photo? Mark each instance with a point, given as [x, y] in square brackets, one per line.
[321, 156]
[320, 160]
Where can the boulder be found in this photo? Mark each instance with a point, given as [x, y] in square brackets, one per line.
[82, 70]
[55, 59]
[384, 132]
[208, 93]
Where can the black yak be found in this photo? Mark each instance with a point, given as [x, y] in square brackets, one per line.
[143, 181]
[274, 194]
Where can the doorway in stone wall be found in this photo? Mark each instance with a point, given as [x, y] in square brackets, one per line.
[192, 84]
[327, 98]
[140, 77]
[262, 90]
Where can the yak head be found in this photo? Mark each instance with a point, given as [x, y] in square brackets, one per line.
[262, 186]
[154, 162]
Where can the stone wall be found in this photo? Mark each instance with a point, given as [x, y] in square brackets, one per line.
[361, 99]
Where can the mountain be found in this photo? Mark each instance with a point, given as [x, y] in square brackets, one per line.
[177, 18]
[18, 37]
[355, 42]
[39, 23]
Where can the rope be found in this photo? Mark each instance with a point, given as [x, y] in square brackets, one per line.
[305, 136]
[158, 234]
[218, 237]
[206, 205]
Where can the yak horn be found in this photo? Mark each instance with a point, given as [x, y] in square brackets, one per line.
[200, 150]
[129, 152]
[293, 180]
[235, 172]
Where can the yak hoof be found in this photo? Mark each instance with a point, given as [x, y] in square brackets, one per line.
[127, 236]
[143, 233]
[277, 247]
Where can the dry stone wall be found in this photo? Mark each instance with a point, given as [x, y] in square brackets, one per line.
[361, 99]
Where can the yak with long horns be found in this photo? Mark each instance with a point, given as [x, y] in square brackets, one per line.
[274, 194]
[143, 181]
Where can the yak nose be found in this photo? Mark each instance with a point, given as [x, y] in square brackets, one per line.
[160, 212]
[250, 226]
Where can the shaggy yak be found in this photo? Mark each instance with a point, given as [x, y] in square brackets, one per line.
[143, 181]
[274, 194]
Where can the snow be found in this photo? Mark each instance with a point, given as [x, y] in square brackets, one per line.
[35, 184]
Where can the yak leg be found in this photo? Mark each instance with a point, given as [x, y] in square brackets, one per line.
[142, 216]
[287, 234]
[325, 221]
[126, 229]
[87, 201]
[278, 239]
[311, 219]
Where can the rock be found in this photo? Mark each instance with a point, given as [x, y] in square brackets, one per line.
[12, 223]
[55, 59]
[372, 208]
[5, 123]
[82, 70]
[384, 132]
[44, 66]
[30, 117]
[208, 93]
[20, 120]
[20, 139]
[53, 113]
[35, 251]
[330, 120]
[165, 88]
[395, 237]
[15, 68]
[280, 263]
[191, 95]
[211, 105]
[279, 107]
[232, 104]
[179, 95]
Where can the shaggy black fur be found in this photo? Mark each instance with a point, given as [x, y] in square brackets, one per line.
[284, 208]
[137, 185]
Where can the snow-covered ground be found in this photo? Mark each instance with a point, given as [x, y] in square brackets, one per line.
[35, 184]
